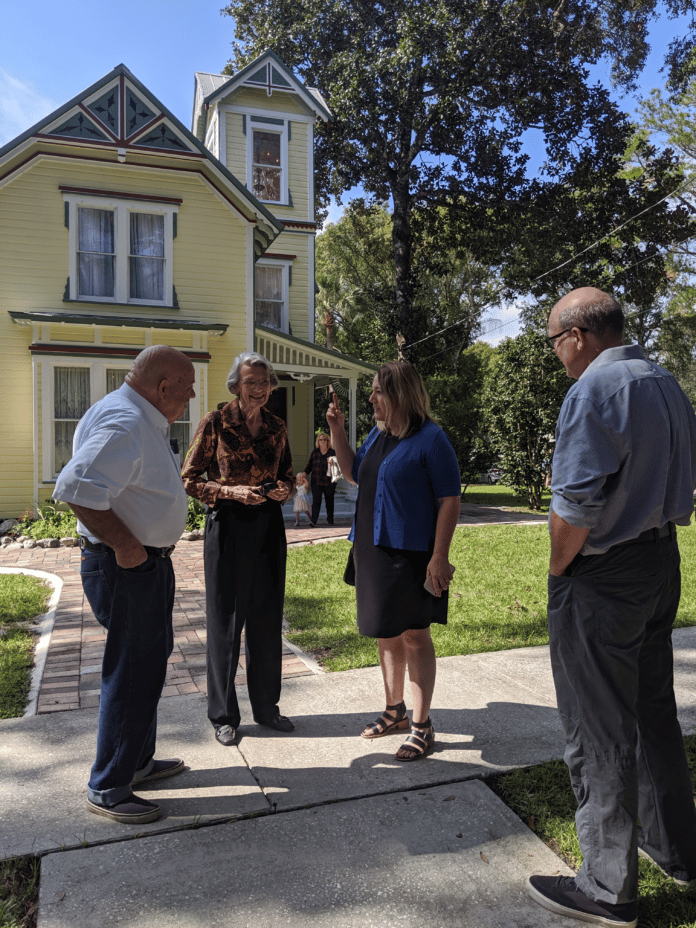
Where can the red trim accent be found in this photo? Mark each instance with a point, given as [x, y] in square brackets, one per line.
[147, 126]
[299, 223]
[272, 254]
[118, 194]
[101, 350]
[54, 154]
[166, 151]
[98, 122]
[122, 107]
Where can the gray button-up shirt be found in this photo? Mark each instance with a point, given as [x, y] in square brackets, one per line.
[625, 457]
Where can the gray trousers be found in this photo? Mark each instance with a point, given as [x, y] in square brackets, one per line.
[610, 630]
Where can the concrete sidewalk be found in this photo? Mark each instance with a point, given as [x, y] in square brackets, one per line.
[319, 827]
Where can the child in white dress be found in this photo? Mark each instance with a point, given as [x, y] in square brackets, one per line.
[301, 503]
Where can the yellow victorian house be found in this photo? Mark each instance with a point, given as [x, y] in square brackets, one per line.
[120, 228]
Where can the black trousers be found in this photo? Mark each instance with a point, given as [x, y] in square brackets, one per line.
[244, 552]
[610, 630]
[328, 493]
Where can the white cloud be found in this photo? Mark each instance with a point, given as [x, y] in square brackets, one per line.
[21, 106]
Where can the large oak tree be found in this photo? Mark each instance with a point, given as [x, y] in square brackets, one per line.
[431, 99]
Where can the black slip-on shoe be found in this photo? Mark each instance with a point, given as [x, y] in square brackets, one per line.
[560, 895]
[679, 882]
[226, 735]
[160, 770]
[132, 811]
[277, 722]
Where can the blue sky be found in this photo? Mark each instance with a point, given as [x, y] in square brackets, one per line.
[51, 50]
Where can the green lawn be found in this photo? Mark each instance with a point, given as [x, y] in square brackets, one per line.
[483, 494]
[21, 599]
[542, 797]
[497, 598]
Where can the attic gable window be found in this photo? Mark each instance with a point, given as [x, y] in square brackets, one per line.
[121, 251]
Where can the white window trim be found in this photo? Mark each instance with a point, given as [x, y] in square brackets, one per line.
[122, 208]
[282, 131]
[97, 391]
[285, 278]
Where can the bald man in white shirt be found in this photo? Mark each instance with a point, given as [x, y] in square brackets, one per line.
[124, 485]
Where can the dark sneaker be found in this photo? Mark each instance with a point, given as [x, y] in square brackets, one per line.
[559, 894]
[160, 770]
[277, 722]
[132, 811]
[226, 735]
[642, 853]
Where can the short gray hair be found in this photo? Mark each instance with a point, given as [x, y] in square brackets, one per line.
[601, 314]
[251, 358]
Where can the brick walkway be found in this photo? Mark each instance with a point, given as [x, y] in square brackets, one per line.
[72, 674]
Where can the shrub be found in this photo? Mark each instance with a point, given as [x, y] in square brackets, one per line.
[56, 520]
[196, 515]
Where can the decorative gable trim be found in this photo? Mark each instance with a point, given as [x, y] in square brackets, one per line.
[268, 72]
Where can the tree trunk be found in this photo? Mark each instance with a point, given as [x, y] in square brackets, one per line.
[401, 240]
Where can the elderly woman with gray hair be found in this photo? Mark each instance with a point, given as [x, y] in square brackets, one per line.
[239, 465]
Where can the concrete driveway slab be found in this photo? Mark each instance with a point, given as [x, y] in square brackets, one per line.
[484, 723]
[44, 767]
[451, 857]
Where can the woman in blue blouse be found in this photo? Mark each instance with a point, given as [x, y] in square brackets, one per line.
[409, 494]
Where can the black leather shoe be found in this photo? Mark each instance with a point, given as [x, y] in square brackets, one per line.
[226, 735]
[277, 722]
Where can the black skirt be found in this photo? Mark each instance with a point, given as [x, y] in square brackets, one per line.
[388, 581]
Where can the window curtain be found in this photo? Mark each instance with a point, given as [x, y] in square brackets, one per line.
[266, 166]
[114, 379]
[70, 402]
[269, 296]
[146, 257]
[96, 253]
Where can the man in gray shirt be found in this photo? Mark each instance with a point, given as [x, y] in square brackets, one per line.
[624, 472]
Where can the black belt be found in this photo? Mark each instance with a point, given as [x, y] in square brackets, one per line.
[652, 534]
[99, 547]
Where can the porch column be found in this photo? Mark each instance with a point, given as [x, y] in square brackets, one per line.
[352, 430]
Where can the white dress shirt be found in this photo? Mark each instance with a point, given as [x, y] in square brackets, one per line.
[122, 460]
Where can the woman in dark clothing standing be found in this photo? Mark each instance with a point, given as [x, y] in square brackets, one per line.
[409, 495]
[322, 485]
[239, 465]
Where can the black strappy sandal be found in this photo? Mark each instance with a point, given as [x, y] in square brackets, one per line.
[386, 724]
[419, 743]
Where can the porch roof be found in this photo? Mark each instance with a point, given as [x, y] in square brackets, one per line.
[303, 360]
[136, 322]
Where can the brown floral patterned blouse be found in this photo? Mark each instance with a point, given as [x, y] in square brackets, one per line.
[224, 451]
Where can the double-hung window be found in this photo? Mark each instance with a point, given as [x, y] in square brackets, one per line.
[271, 294]
[120, 250]
[267, 158]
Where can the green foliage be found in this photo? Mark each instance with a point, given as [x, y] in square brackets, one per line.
[456, 399]
[22, 597]
[195, 520]
[524, 391]
[19, 891]
[429, 102]
[16, 658]
[55, 520]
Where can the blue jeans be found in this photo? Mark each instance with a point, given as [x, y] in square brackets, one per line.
[610, 630]
[135, 607]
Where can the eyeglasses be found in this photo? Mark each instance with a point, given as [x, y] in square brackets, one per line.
[256, 383]
[550, 339]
